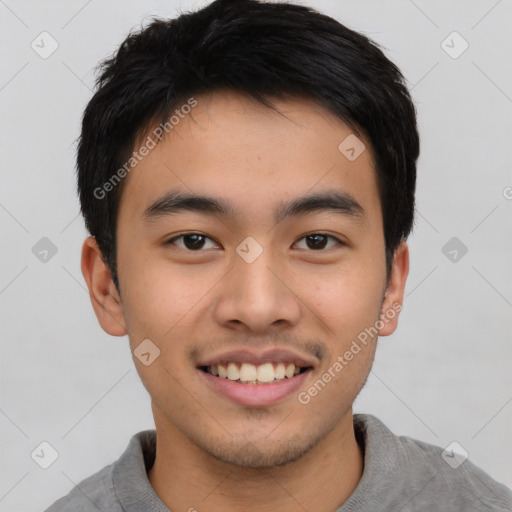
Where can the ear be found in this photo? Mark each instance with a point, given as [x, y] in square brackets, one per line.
[102, 291]
[394, 295]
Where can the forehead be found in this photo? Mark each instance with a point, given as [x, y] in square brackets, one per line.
[228, 145]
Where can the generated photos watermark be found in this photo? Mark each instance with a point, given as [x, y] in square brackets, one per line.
[304, 397]
[149, 144]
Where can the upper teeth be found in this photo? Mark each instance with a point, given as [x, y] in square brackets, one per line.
[249, 373]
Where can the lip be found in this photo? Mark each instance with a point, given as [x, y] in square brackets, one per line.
[255, 395]
[274, 355]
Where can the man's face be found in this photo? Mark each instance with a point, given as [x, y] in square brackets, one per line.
[303, 286]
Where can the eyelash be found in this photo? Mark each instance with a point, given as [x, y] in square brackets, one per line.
[172, 240]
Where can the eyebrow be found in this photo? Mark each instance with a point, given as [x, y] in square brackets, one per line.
[176, 201]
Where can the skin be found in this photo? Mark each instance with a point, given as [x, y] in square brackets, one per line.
[213, 454]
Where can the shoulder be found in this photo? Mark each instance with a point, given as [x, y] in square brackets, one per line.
[121, 482]
[458, 479]
[434, 475]
[93, 493]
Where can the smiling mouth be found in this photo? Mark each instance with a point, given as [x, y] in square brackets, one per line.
[247, 373]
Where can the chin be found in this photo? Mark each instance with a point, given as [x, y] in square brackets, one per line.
[261, 454]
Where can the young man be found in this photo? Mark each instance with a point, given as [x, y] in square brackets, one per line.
[247, 173]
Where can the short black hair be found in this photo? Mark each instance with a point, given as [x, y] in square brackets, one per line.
[263, 50]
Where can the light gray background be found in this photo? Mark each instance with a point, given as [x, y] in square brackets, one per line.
[444, 376]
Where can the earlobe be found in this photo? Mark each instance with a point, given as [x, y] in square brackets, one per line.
[102, 291]
[393, 300]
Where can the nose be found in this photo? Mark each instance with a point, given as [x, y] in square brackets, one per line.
[257, 296]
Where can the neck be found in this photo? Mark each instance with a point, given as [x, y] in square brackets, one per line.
[186, 478]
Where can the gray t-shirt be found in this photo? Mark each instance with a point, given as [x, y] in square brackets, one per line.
[400, 475]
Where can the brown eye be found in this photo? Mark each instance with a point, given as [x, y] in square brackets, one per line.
[190, 241]
[318, 241]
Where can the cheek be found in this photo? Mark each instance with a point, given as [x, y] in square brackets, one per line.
[336, 385]
[157, 296]
[161, 307]
[346, 301]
